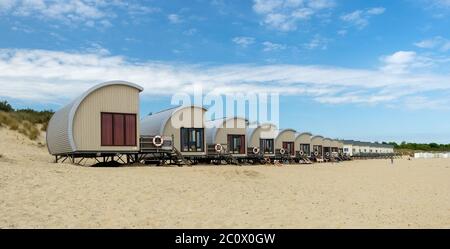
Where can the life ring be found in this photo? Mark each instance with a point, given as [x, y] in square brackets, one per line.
[301, 153]
[218, 147]
[255, 150]
[282, 151]
[327, 154]
[158, 141]
[316, 153]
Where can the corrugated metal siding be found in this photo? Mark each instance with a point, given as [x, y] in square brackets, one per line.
[284, 136]
[317, 140]
[303, 138]
[326, 142]
[87, 125]
[60, 138]
[169, 122]
[220, 135]
[57, 137]
[265, 131]
[153, 125]
[187, 117]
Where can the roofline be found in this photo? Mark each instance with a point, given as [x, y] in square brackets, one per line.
[285, 130]
[259, 126]
[176, 109]
[304, 133]
[226, 119]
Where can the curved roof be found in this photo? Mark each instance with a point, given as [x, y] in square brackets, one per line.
[251, 131]
[327, 142]
[336, 143]
[60, 127]
[298, 136]
[154, 124]
[285, 130]
[303, 133]
[317, 137]
[214, 125]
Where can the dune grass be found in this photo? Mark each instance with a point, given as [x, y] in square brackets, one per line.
[26, 121]
[24, 127]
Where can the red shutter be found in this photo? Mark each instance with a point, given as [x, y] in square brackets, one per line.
[130, 130]
[242, 145]
[107, 129]
[119, 129]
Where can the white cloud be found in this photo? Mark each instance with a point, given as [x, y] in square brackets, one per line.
[360, 18]
[72, 12]
[51, 76]
[404, 61]
[269, 46]
[285, 15]
[436, 42]
[174, 18]
[6, 5]
[317, 42]
[243, 41]
[376, 11]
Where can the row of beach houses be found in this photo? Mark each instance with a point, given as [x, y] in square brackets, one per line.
[105, 121]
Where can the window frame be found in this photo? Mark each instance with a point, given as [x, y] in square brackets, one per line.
[189, 130]
[306, 148]
[263, 147]
[230, 137]
[286, 144]
[113, 129]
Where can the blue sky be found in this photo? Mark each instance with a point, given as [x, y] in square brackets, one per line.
[369, 70]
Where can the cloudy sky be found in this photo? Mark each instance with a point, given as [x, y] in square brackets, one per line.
[373, 70]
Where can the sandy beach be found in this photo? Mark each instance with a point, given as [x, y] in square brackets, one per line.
[36, 193]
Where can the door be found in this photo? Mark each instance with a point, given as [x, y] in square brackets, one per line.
[289, 147]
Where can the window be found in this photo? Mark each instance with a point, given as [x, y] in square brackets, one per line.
[266, 146]
[236, 144]
[305, 148]
[192, 140]
[289, 147]
[346, 149]
[118, 129]
[318, 149]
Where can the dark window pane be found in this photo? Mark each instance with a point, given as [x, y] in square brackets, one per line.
[192, 139]
[107, 129]
[130, 130]
[119, 129]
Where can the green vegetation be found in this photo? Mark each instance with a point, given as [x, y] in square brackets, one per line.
[25, 121]
[5, 106]
[420, 147]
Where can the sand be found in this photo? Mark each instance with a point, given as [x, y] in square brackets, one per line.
[35, 193]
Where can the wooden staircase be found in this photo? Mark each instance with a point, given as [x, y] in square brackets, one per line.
[178, 158]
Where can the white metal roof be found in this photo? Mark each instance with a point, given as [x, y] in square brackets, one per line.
[154, 124]
[212, 127]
